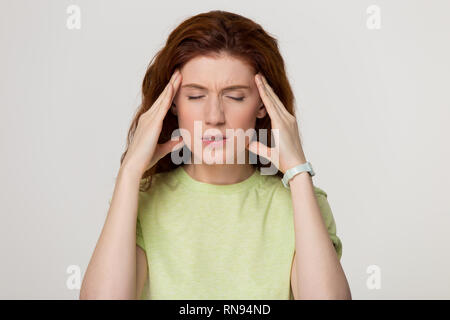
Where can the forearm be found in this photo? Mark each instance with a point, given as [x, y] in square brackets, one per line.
[319, 274]
[111, 273]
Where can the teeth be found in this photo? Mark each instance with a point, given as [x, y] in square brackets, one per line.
[213, 139]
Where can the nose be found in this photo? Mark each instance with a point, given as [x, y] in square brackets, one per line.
[214, 113]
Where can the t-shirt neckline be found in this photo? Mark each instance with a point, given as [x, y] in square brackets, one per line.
[194, 185]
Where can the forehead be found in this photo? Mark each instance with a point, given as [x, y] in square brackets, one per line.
[217, 72]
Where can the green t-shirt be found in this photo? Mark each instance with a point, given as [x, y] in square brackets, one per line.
[206, 241]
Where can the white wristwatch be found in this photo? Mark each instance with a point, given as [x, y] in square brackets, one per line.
[296, 170]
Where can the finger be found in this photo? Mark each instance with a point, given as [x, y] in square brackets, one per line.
[166, 103]
[260, 149]
[169, 146]
[166, 91]
[155, 106]
[278, 104]
[267, 99]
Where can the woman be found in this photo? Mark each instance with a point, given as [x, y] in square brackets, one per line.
[194, 217]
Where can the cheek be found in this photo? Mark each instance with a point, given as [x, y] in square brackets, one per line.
[186, 116]
[243, 119]
[186, 121]
[237, 117]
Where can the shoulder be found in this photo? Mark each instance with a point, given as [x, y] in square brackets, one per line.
[161, 183]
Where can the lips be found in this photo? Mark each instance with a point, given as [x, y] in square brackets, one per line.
[214, 138]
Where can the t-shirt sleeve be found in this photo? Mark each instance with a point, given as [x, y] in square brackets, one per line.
[327, 215]
[139, 237]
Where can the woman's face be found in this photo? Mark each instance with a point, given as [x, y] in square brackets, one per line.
[217, 96]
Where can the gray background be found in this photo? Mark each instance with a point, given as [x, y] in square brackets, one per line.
[374, 107]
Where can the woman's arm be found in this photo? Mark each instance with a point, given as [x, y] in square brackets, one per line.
[111, 273]
[316, 271]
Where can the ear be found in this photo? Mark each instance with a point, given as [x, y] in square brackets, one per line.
[261, 112]
[173, 109]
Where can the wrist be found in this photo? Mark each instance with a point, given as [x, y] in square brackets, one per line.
[301, 185]
[300, 177]
[301, 169]
[128, 171]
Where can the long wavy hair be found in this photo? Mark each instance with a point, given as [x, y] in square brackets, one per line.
[208, 33]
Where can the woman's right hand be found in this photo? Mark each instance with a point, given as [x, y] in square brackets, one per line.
[144, 151]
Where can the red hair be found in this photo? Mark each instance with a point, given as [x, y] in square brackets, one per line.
[210, 33]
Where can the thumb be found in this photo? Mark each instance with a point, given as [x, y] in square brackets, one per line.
[260, 149]
[169, 146]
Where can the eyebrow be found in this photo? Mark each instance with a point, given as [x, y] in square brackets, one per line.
[233, 87]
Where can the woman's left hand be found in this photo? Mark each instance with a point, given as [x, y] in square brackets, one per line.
[288, 151]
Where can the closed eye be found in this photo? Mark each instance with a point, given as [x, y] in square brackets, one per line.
[192, 98]
[198, 97]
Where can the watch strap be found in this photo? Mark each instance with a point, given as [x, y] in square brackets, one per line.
[296, 170]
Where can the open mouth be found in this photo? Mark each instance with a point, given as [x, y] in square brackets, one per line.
[214, 140]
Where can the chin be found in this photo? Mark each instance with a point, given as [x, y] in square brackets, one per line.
[219, 156]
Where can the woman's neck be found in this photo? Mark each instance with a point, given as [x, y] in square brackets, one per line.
[219, 173]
